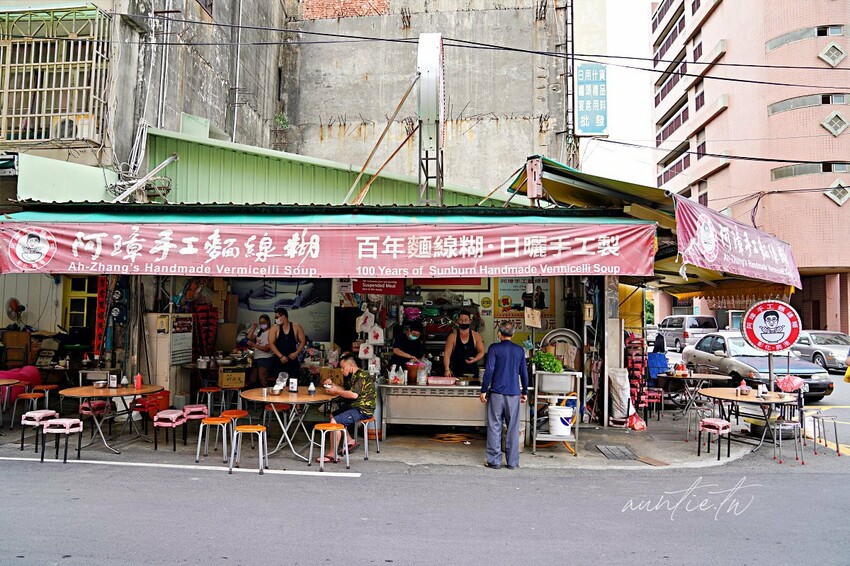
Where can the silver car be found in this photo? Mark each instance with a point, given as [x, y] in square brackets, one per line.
[826, 349]
[726, 353]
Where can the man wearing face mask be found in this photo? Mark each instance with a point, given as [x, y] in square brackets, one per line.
[463, 349]
[408, 346]
[286, 339]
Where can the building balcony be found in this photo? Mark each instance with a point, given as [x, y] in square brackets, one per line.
[706, 114]
[669, 41]
[673, 170]
[670, 86]
[700, 68]
[704, 8]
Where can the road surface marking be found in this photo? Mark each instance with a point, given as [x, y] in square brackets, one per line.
[190, 467]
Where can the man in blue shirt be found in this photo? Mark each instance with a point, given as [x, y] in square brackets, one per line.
[500, 389]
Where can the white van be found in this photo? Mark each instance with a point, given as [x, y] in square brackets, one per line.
[681, 330]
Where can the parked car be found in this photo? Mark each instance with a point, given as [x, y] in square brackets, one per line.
[824, 348]
[727, 353]
[680, 330]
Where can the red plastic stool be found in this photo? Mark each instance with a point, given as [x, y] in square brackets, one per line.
[94, 408]
[172, 418]
[148, 407]
[62, 426]
[210, 393]
[35, 419]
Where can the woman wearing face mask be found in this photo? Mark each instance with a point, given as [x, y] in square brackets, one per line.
[263, 357]
[463, 349]
[408, 346]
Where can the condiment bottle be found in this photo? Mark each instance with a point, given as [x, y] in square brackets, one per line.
[138, 380]
[124, 381]
[311, 389]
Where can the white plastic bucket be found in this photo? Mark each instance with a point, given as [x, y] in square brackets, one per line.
[560, 420]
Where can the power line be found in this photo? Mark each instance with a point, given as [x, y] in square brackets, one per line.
[479, 45]
[725, 156]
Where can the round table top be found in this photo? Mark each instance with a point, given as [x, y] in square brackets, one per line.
[5, 382]
[702, 376]
[729, 394]
[92, 391]
[302, 397]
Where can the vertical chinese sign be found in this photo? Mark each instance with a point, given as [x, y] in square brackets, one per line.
[591, 82]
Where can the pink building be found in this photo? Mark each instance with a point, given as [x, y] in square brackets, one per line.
[768, 80]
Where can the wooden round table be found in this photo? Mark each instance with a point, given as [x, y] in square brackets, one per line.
[300, 399]
[767, 402]
[5, 383]
[89, 392]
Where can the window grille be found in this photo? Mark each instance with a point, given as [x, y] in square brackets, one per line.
[54, 67]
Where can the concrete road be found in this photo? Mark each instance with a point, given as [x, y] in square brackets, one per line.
[751, 511]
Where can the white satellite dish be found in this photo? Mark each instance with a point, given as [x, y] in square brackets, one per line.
[432, 91]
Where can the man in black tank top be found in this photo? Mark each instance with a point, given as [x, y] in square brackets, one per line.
[463, 349]
[286, 339]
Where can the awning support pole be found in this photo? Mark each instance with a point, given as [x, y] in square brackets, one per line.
[362, 195]
[141, 182]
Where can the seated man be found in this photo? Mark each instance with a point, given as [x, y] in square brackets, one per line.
[362, 397]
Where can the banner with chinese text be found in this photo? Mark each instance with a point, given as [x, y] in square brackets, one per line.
[367, 251]
[713, 241]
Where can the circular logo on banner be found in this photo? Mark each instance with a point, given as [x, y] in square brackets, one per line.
[32, 248]
[771, 326]
[706, 237]
[486, 302]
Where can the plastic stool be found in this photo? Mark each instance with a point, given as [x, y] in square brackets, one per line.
[234, 415]
[33, 401]
[193, 413]
[819, 425]
[366, 423]
[272, 407]
[210, 393]
[325, 428]
[221, 423]
[35, 419]
[262, 441]
[46, 389]
[718, 427]
[62, 426]
[226, 393]
[148, 407]
[96, 408]
[781, 425]
[171, 418]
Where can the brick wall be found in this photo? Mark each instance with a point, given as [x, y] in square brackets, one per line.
[328, 9]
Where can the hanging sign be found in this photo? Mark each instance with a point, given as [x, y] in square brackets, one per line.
[771, 326]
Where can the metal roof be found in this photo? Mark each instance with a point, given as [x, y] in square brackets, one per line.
[215, 171]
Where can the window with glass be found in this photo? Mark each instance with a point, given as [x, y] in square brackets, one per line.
[80, 308]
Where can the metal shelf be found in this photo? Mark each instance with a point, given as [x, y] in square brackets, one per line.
[556, 437]
[538, 396]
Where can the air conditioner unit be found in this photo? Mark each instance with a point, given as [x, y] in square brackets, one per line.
[75, 127]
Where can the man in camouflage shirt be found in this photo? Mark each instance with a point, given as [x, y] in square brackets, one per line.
[363, 398]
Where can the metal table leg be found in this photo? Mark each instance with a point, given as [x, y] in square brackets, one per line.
[97, 424]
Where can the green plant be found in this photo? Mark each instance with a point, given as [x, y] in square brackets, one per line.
[547, 362]
[281, 121]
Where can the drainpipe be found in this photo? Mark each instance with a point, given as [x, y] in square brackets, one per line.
[163, 68]
[238, 69]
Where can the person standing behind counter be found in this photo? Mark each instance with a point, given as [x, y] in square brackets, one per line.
[286, 339]
[500, 390]
[463, 349]
[408, 346]
[263, 356]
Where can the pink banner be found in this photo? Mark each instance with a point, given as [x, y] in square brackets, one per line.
[368, 251]
[713, 241]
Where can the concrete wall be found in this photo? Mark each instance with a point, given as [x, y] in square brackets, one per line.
[39, 293]
[501, 106]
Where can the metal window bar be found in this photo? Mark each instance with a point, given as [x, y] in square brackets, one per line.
[54, 68]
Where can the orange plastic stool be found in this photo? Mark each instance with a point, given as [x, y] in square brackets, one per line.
[325, 428]
[262, 441]
[221, 423]
[366, 423]
[33, 401]
[46, 389]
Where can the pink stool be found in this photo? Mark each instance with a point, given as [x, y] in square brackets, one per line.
[718, 427]
[193, 413]
[35, 419]
[62, 426]
[172, 418]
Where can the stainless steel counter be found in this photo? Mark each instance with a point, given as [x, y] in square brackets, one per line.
[433, 405]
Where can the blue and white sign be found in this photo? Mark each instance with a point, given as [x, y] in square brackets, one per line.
[591, 99]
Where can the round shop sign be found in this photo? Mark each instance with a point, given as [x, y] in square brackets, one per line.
[31, 248]
[771, 326]
[486, 302]
[706, 237]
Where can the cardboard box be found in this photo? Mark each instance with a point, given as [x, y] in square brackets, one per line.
[231, 306]
[334, 374]
[231, 377]
[225, 339]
